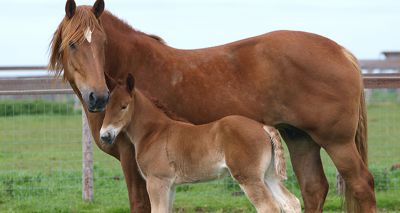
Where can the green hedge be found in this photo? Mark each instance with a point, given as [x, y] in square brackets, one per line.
[35, 107]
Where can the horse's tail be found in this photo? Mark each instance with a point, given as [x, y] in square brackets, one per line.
[361, 134]
[277, 148]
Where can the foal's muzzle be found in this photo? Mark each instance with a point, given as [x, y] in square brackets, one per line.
[96, 102]
[107, 137]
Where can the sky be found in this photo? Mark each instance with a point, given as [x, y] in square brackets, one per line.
[365, 27]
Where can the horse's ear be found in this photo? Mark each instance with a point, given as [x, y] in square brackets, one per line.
[111, 83]
[98, 8]
[70, 8]
[130, 83]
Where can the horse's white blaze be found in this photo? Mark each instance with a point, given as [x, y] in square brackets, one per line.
[88, 35]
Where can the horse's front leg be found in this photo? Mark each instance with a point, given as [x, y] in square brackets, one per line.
[138, 197]
[307, 165]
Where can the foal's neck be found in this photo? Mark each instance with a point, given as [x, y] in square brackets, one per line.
[147, 119]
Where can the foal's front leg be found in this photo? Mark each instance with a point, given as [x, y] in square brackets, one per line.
[159, 190]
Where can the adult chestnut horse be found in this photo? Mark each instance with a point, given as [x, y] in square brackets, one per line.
[306, 85]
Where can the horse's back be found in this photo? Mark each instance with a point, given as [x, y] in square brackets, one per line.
[283, 77]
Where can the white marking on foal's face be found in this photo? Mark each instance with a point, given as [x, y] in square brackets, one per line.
[88, 35]
[110, 130]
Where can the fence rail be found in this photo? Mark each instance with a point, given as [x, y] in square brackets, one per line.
[12, 85]
[11, 68]
[38, 92]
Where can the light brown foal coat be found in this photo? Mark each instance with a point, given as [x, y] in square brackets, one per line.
[170, 152]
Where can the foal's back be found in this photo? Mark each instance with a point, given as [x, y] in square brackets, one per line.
[203, 152]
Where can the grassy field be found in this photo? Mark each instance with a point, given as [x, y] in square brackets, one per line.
[40, 169]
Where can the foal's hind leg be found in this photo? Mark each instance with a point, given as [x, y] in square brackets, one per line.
[287, 201]
[260, 196]
[355, 173]
[307, 165]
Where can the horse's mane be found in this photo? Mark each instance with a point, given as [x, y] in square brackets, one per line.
[71, 30]
[124, 26]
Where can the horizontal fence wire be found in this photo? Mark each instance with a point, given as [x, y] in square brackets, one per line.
[41, 154]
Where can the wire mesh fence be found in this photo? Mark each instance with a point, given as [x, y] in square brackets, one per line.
[41, 159]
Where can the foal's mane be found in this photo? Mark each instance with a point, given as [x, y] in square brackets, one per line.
[165, 110]
[112, 83]
[71, 30]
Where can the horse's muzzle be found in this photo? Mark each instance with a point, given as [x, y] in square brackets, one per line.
[96, 102]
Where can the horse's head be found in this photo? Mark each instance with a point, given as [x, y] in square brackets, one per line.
[119, 109]
[78, 49]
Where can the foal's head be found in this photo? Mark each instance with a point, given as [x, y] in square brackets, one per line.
[119, 110]
[77, 48]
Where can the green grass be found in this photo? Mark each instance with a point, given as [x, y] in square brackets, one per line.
[40, 169]
[34, 107]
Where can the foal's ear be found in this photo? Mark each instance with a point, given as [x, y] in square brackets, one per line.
[98, 8]
[111, 83]
[70, 7]
[130, 83]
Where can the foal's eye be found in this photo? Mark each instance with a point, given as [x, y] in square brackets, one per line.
[72, 45]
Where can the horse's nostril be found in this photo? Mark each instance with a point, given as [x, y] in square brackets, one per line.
[92, 98]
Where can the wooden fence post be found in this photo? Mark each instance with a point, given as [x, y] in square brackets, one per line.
[87, 160]
[339, 183]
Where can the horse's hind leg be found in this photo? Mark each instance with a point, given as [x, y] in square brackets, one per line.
[307, 165]
[259, 195]
[355, 173]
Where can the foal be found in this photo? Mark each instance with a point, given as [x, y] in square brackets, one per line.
[170, 152]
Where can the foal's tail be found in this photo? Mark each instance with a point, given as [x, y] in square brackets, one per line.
[361, 134]
[279, 159]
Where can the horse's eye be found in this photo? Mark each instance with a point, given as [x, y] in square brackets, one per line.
[124, 107]
[72, 45]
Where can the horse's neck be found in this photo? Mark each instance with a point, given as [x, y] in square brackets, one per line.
[128, 50]
[147, 119]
